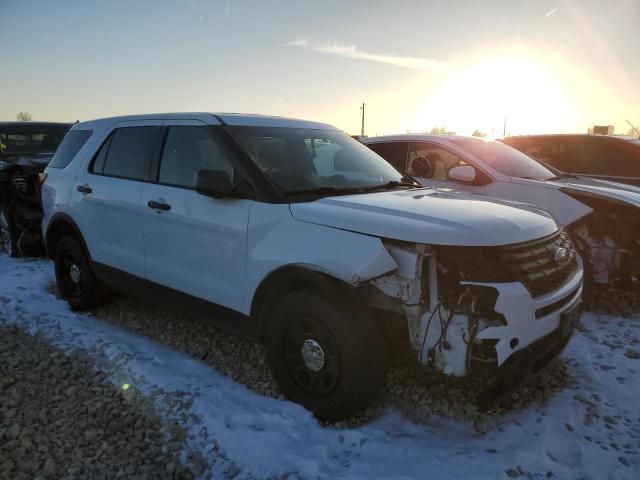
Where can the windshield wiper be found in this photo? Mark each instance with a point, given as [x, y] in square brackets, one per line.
[347, 190]
[323, 191]
[560, 176]
[391, 184]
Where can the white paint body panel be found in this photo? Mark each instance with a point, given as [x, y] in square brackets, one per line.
[276, 240]
[428, 216]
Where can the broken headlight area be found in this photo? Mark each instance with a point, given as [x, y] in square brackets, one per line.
[468, 309]
[608, 240]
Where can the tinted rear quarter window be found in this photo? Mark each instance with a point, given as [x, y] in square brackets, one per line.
[69, 147]
[393, 152]
[130, 151]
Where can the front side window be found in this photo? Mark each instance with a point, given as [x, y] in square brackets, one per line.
[70, 146]
[297, 159]
[426, 160]
[129, 152]
[189, 149]
[505, 159]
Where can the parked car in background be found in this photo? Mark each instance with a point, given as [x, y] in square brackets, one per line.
[602, 218]
[25, 150]
[599, 156]
[294, 233]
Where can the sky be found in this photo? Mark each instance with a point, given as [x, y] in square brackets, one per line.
[536, 66]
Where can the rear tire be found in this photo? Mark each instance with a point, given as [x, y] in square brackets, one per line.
[76, 281]
[325, 355]
[8, 233]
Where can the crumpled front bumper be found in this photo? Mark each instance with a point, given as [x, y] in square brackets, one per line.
[528, 319]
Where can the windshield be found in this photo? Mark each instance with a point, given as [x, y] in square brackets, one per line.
[505, 159]
[299, 159]
[30, 139]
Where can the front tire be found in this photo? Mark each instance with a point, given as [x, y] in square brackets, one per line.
[74, 275]
[325, 355]
[8, 233]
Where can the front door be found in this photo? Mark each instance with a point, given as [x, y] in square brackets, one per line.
[195, 244]
[430, 164]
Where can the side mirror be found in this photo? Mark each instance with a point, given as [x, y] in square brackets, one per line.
[214, 183]
[462, 173]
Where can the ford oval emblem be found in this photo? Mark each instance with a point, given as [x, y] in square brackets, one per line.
[561, 255]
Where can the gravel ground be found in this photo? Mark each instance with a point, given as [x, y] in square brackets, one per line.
[409, 388]
[614, 302]
[43, 380]
[61, 418]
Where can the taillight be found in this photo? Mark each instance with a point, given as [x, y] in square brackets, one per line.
[41, 178]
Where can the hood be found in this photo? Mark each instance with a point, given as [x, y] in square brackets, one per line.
[428, 216]
[30, 163]
[618, 191]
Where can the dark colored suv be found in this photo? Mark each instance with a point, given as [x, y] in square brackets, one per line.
[599, 156]
[25, 151]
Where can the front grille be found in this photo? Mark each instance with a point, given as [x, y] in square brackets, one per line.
[534, 263]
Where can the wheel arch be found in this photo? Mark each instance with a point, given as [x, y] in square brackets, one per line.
[287, 279]
[60, 225]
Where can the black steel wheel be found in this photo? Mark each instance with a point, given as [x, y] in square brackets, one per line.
[74, 275]
[312, 356]
[325, 354]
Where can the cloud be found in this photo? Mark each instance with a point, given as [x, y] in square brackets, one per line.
[551, 12]
[350, 51]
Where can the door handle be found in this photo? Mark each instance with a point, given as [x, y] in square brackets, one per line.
[158, 205]
[84, 189]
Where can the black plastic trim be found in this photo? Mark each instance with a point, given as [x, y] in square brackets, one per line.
[196, 308]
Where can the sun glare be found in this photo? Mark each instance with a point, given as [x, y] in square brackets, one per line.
[482, 94]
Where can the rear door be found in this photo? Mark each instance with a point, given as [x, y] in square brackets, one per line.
[195, 244]
[108, 196]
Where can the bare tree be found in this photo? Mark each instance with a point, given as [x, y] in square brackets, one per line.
[442, 131]
[23, 116]
[478, 133]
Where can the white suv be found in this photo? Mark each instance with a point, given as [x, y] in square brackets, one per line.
[294, 233]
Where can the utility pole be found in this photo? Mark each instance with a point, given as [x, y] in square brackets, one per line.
[362, 129]
[504, 128]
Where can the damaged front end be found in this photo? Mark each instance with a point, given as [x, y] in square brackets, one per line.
[473, 310]
[608, 239]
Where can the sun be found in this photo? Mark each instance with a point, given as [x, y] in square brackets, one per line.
[481, 94]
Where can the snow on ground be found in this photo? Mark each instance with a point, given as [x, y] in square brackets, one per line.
[590, 430]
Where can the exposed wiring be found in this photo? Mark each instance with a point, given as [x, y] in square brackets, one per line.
[443, 331]
[426, 333]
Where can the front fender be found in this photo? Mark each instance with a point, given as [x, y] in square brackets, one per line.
[277, 240]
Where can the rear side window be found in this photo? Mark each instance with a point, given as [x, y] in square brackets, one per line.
[189, 149]
[69, 147]
[605, 156]
[127, 153]
[393, 152]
